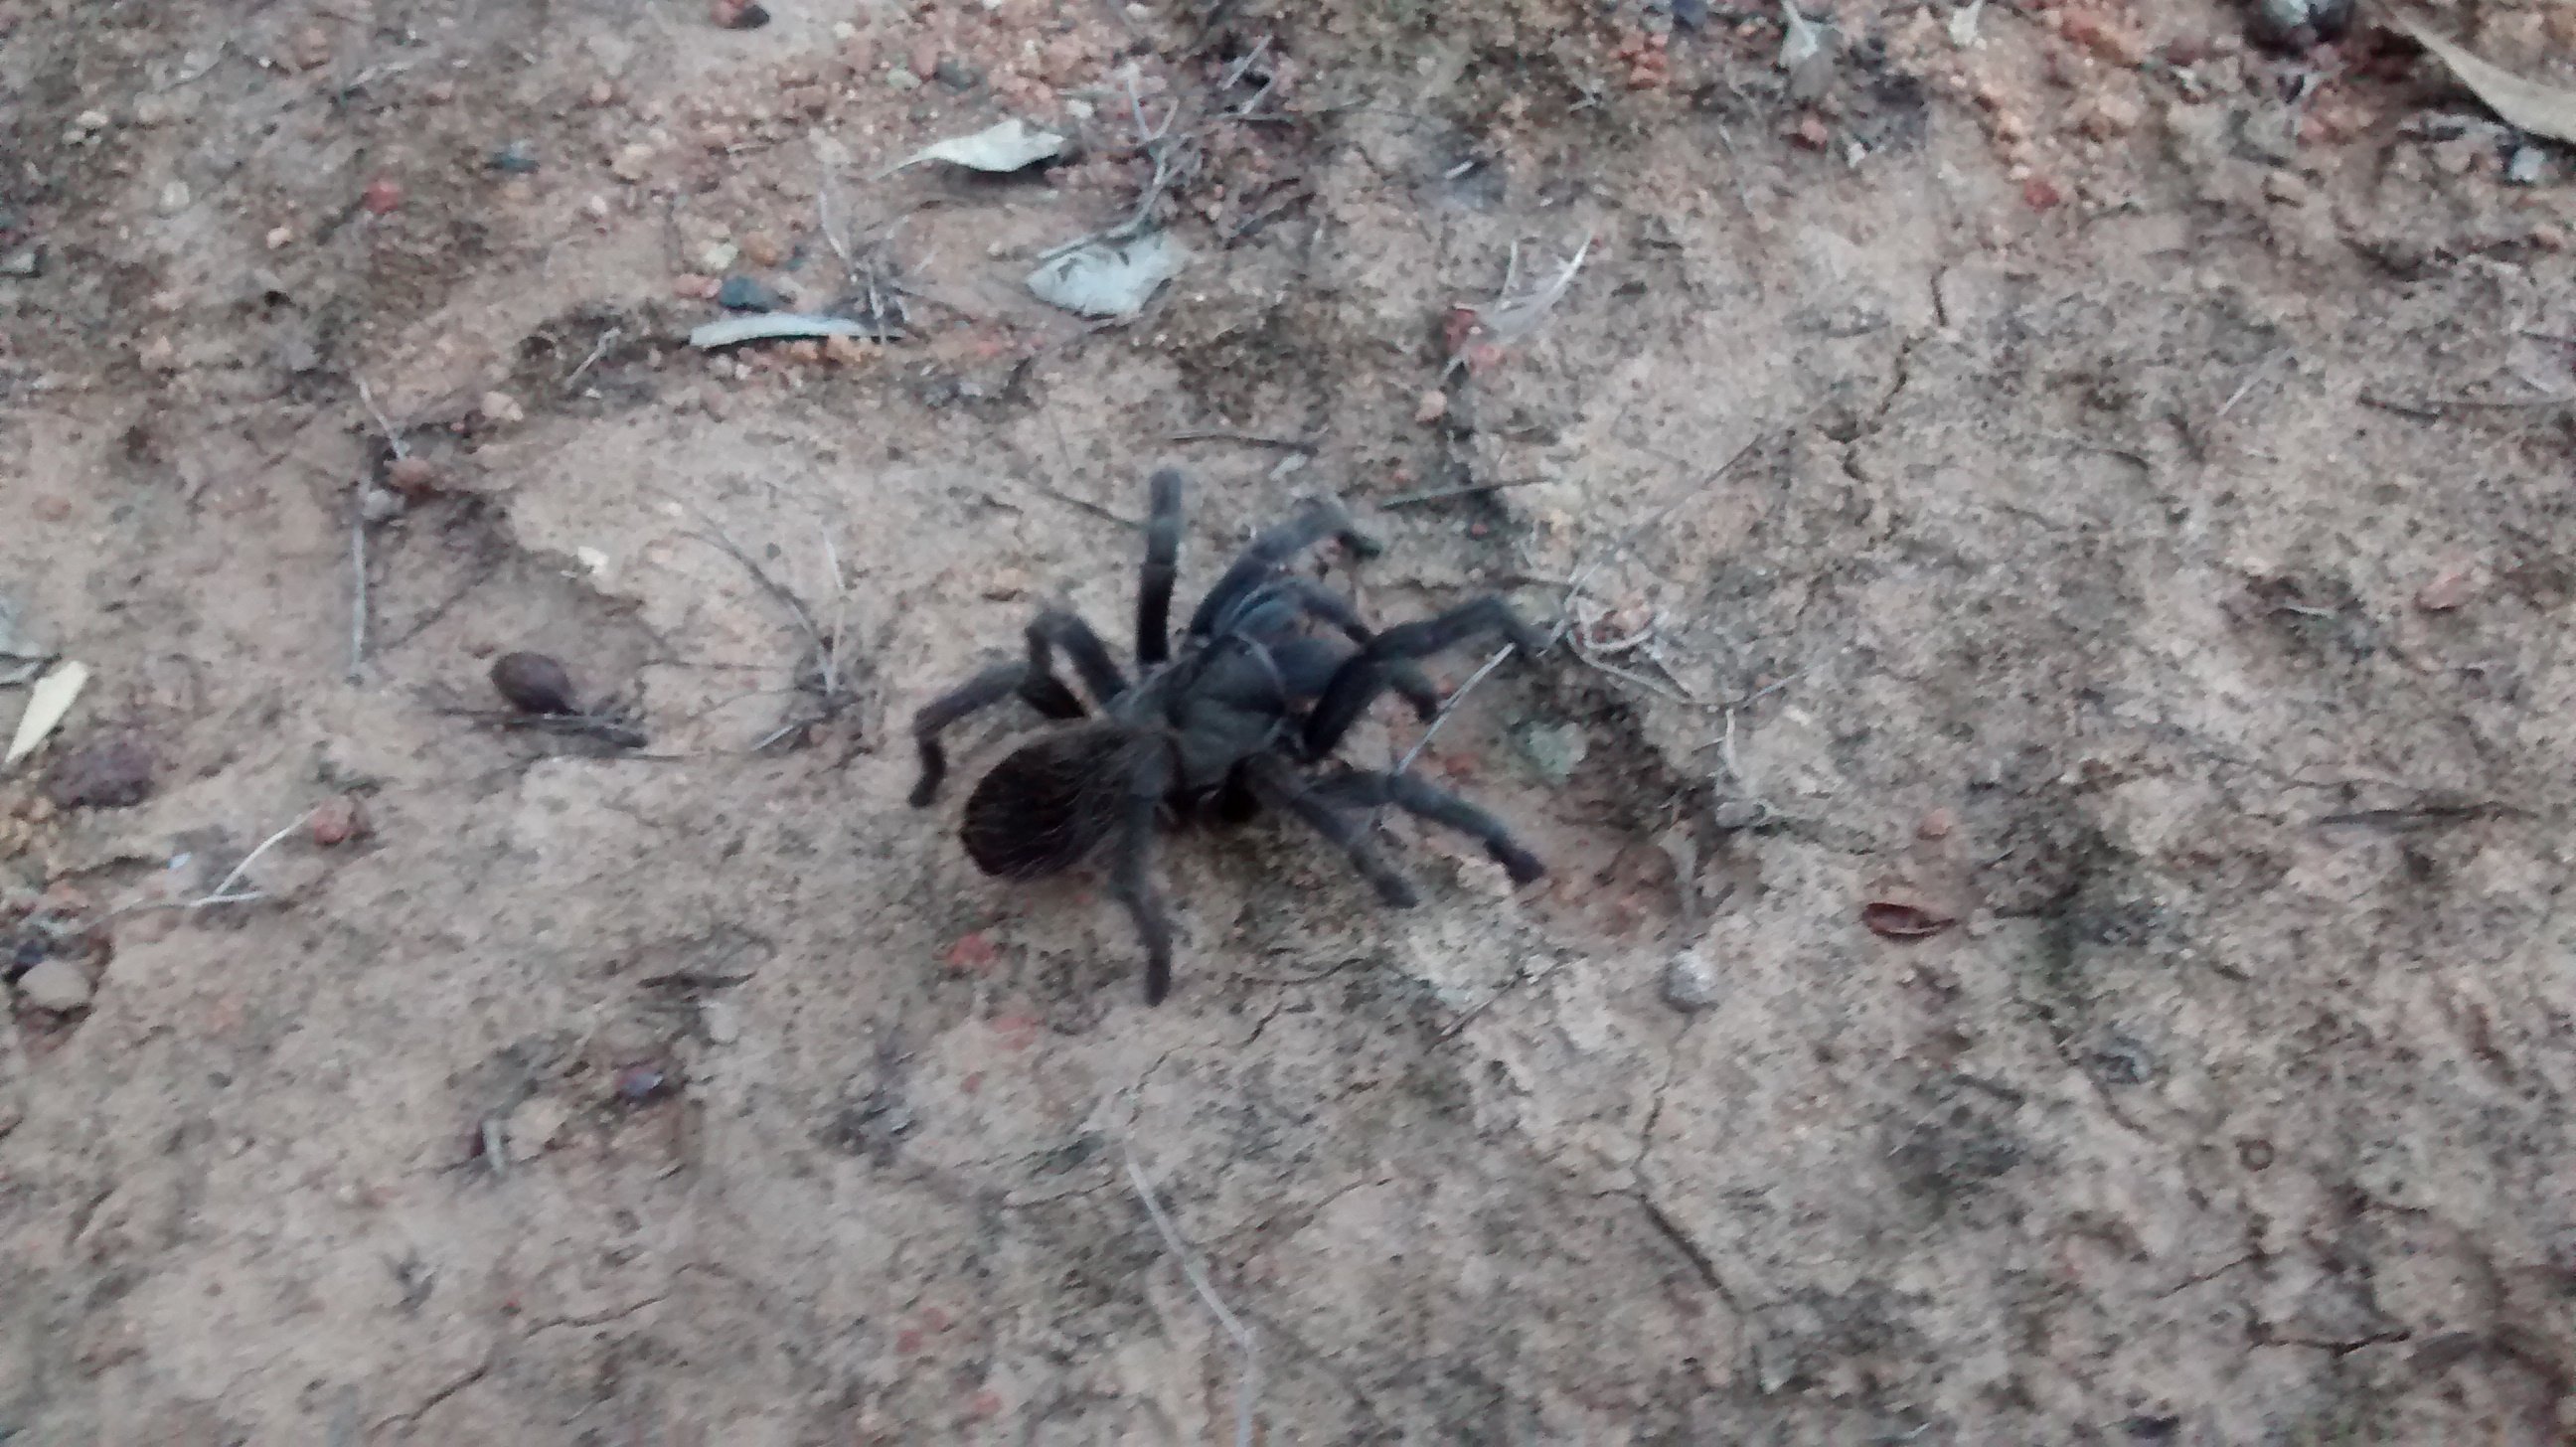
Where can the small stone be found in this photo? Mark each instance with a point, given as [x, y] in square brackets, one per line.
[1690, 983]
[746, 294]
[174, 199]
[642, 1084]
[2041, 194]
[2112, 116]
[722, 1022]
[380, 505]
[2527, 166]
[1738, 813]
[596, 208]
[56, 985]
[738, 14]
[25, 261]
[1431, 407]
[900, 79]
[383, 196]
[957, 75]
[718, 257]
[533, 683]
[1812, 133]
[601, 93]
[114, 773]
[500, 407]
[2451, 589]
[1554, 750]
[2283, 188]
[279, 236]
[846, 352]
[1938, 824]
[339, 820]
[632, 162]
[760, 248]
[90, 121]
[925, 59]
[160, 355]
[312, 47]
[514, 159]
[439, 92]
[412, 476]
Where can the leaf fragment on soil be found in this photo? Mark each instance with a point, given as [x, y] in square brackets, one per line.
[2543, 110]
[1899, 920]
[47, 702]
[999, 149]
[1109, 279]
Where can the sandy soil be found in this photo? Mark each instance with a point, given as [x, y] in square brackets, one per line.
[2094, 499]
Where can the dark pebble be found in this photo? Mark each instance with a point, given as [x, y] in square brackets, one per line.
[1690, 14]
[748, 17]
[637, 1084]
[110, 774]
[744, 294]
[534, 683]
[514, 159]
[957, 75]
[2295, 26]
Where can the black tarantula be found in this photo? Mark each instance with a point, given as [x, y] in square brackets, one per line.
[1215, 727]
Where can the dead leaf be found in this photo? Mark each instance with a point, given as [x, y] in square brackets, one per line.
[1900, 919]
[47, 702]
[1109, 279]
[2543, 110]
[998, 149]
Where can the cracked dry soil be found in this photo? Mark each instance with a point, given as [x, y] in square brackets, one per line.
[2121, 506]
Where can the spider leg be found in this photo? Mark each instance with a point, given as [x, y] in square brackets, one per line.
[1036, 685]
[1063, 628]
[1425, 801]
[1162, 565]
[1319, 519]
[1131, 875]
[1360, 680]
[1305, 595]
[1276, 784]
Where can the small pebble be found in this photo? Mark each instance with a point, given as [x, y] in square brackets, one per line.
[90, 121]
[901, 79]
[534, 683]
[723, 1023]
[56, 985]
[412, 476]
[25, 261]
[174, 199]
[2296, 26]
[957, 75]
[383, 196]
[339, 820]
[1690, 983]
[1431, 407]
[638, 1084]
[378, 505]
[500, 407]
[738, 14]
[2526, 166]
[718, 257]
[279, 236]
[1554, 750]
[746, 294]
[762, 249]
[515, 159]
[633, 162]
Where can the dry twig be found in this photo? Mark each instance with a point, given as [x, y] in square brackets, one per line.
[1247, 1388]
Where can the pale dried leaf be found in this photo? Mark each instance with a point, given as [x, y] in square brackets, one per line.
[47, 702]
[998, 149]
[2543, 110]
[1109, 279]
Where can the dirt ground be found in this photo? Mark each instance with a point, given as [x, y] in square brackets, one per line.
[2057, 784]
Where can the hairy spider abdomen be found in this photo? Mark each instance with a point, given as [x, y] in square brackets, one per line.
[1049, 803]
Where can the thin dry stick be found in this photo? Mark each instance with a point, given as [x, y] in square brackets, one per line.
[1247, 1388]
[2251, 377]
[222, 893]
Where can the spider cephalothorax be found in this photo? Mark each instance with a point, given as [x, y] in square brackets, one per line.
[1222, 723]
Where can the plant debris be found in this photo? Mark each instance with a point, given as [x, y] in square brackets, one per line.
[1013, 145]
[2543, 110]
[771, 326]
[1109, 278]
[1904, 919]
[46, 704]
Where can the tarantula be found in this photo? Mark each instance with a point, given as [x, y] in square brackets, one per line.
[1216, 727]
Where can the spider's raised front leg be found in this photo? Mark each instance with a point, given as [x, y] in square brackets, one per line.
[1319, 519]
[1282, 787]
[1368, 673]
[1033, 681]
[1370, 788]
[1162, 565]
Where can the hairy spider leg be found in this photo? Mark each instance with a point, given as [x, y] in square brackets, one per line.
[1267, 611]
[1359, 682]
[1131, 875]
[1370, 788]
[1281, 787]
[1319, 519]
[1162, 567]
[1041, 689]
[1063, 628]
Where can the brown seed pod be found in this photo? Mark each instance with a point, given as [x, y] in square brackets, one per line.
[534, 683]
